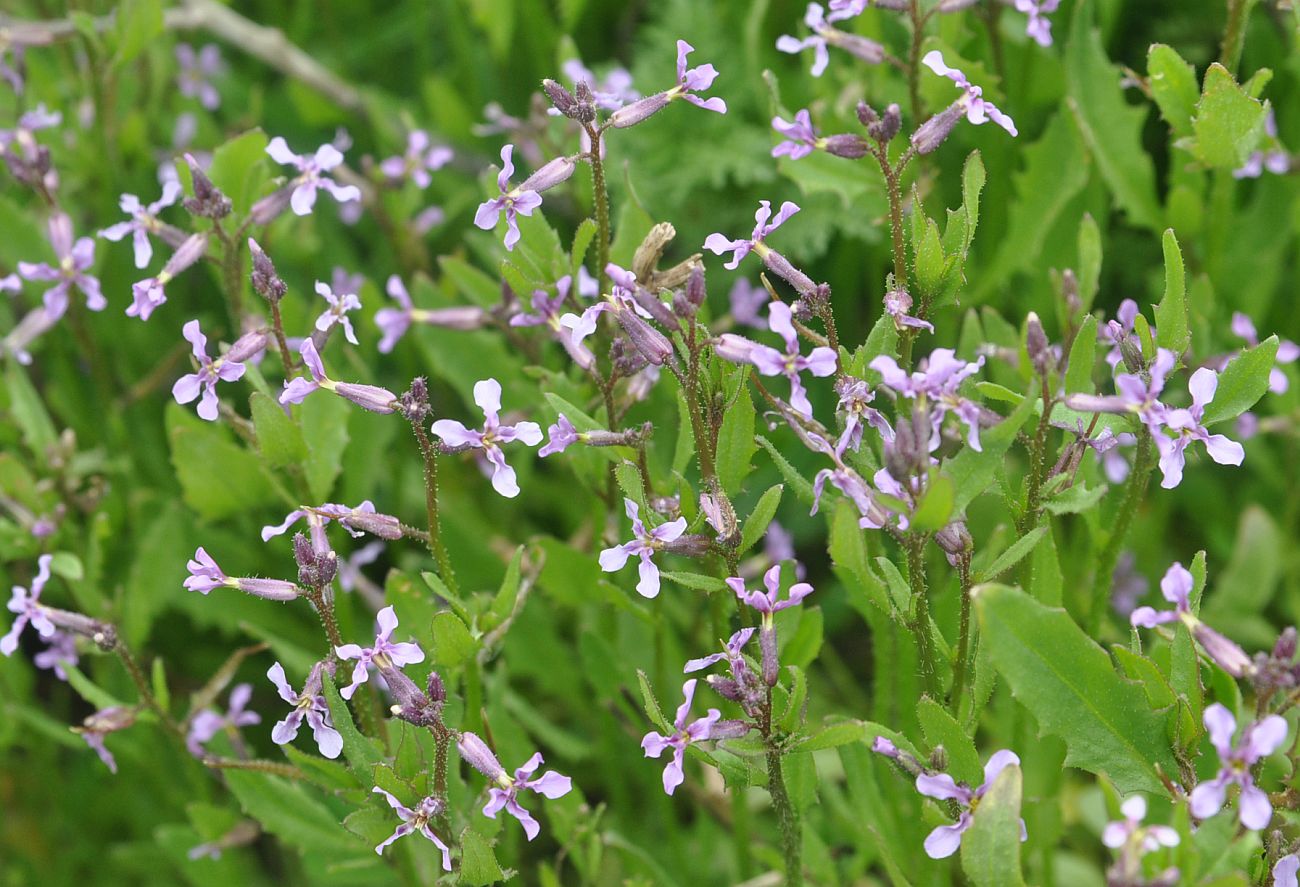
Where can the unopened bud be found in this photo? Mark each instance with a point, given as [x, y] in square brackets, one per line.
[409, 703]
[475, 752]
[780, 266]
[939, 758]
[1284, 649]
[888, 126]
[551, 174]
[934, 131]
[560, 97]
[631, 115]
[208, 201]
[585, 109]
[730, 728]
[248, 346]
[1129, 348]
[956, 542]
[415, 402]
[651, 344]
[866, 114]
[767, 644]
[266, 282]
[724, 687]
[1070, 292]
[1036, 345]
[689, 545]
[883, 746]
[696, 292]
[368, 397]
[437, 691]
[848, 146]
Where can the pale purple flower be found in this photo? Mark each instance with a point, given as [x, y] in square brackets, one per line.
[148, 294]
[1113, 462]
[382, 654]
[1257, 741]
[368, 397]
[416, 820]
[766, 602]
[694, 80]
[98, 725]
[211, 371]
[823, 35]
[719, 244]
[846, 9]
[312, 169]
[487, 394]
[205, 575]
[196, 71]
[394, 322]
[144, 221]
[23, 136]
[821, 361]
[730, 650]
[654, 744]
[34, 324]
[208, 723]
[800, 137]
[976, 108]
[546, 311]
[1130, 830]
[778, 545]
[1187, 427]
[883, 746]
[644, 544]
[61, 652]
[26, 604]
[1124, 318]
[74, 261]
[1143, 398]
[938, 384]
[1285, 869]
[871, 516]
[420, 158]
[855, 401]
[505, 794]
[898, 303]
[621, 303]
[513, 201]
[1176, 587]
[746, 298]
[1039, 26]
[1276, 160]
[560, 437]
[337, 313]
[1287, 351]
[944, 841]
[309, 704]
[357, 521]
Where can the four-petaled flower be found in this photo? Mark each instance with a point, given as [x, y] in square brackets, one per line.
[939, 384]
[340, 304]
[513, 201]
[1039, 26]
[800, 137]
[368, 397]
[644, 544]
[416, 820]
[730, 650]
[546, 311]
[695, 79]
[60, 653]
[1124, 319]
[1130, 830]
[74, 261]
[421, 158]
[855, 401]
[27, 605]
[977, 109]
[654, 743]
[1257, 741]
[719, 244]
[487, 394]
[211, 371]
[505, 794]
[1186, 426]
[1176, 587]
[943, 841]
[196, 69]
[143, 222]
[208, 723]
[766, 602]
[311, 175]
[383, 653]
[821, 361]
[1287, 351]
[309, 704]
[824, 35]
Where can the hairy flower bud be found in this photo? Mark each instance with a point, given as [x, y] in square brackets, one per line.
[1129, 348]
[1036, 345]
[696, 293]
[627, 360]
[248, 346]
[103, 634]
[475, 752]
[725, 687]
[585, 103]
[689, 545]
[888, 126]
[631, 115]
[932, 133]
[437, 691]
[316, 567]
[409, 703]
[1285, 648]
[560, 97]
[368, 397]
[266, 282]
[848, 146]
[1070, 291]
[767, 644]
[731, 728]
[208, 201]
[956, 542]
[780, 266]
[553, 173]
[866, 114]
[651, 344]
[270, 589]
[415, 402]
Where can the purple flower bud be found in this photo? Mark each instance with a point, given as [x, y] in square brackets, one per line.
[1036, 345]
[1285, 648]
[767, 644]
[368, 397]
[883, 746]
[270, 207]
[651, 344]
[475, 752]
[932, 133]
[888, 126]
[248, 346]
[1230, 657]
[695, 289]
[729, 729]
[735, 348]
[631, 115]
[727, 688]
[410, 704]
[271, 589]
[266, 282]
[437, 692]
[553, 173]
[561, 98]
[866, 114]
[848, 146]
[208, 200]
[780, 266]
[956, 542]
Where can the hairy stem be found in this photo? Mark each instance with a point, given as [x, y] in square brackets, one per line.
[963, 638]
[915, 545]
[1234, 33]
[282, 343]
[146, 692]
[786, 817]
[439, 551]
[600, 195]
[1134, 493]
[914, 58]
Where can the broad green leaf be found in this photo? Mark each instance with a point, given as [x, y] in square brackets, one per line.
[239, 166]
[1013, 555]
[472, 283]
[941, 728]
[1089, 260]
[138, 23]
[695, 581]
[1109, 126]
[361, 752]
[760, 518]
[1172, 322]
[292, 813]
[279, 439]
[478, 861]
[452, 642]
[936, 505]
[833, 736]
[28, 411]
[736, 445]
[1243, 382]
[1068, 684]
[960, 231]
[218, 477]
[1173, 86]
[1228, 122]
[1083, 356]
[324, 420]
[927, 253]
[990, 848]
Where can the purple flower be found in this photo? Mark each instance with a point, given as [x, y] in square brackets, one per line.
[1284, 871]
[1124, 318]
[694, 80]
[939, 383]
[719, 244]
[20, 142]
[505, 794]
[1257, 741]
[746, 299]
[1039, 26]
[421, 158]
[560, 437]
[871, 515]
[196, 69]
[766, 603]
[98, 725]
[74, 261]
[144, 221]
[622, 304]
[897, 303]
[943, 841]
[149, 294]
[208, 723]
[972, 102]
[644, 544]
[394, 322]
[730, 651]
[487, 394]
[340, 304]
[512, 201]
[546, 311]
[1130, 831]
[821, 361]
[61, 652]
[357, 521]
[1287, 351]
[384, 653]
[1276, 160]
[311, 175]
[205, 575]
[1187, 427]
[655, 744]
[1176, 587]
[368, 397]
[27, 605]
[309, 704]
[416, 820]
[855, 401]
[824, 35]
[211, 371]
[800, 137]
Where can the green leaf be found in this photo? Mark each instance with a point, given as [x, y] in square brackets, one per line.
[651, 704]
[1109, 126]
[695, 581]
[1083, 356]
[138, 23]
[324, 423]
[218, 477]
[1068, 684]
[1173, 326]
[736, 445]
[1089, 260]
[793, 477]
[940, 728]
[582, 238]
[279, 439]
[1013, 555]
[472, 283]
[452, 642]
[972, 472]
[928, 258]
[759, 519]
[990, 848]
[478, 861]
[1243, 382]
[1173, 86]
[936, 505]
[960, 231]
[292, 813]
[239, 167]
[361, 751]
[1228, 122]
[833, 737]
[29, 411]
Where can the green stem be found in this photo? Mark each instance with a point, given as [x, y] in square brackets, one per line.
[1234, 33]
[1134, 493]
[600, 192]
[963, 638]
[145, 691]
[786, 818]
[439, 551]
[914, 59]
[1037, 464]
[921, 624]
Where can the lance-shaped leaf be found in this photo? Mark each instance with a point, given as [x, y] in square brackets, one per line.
[1070, 687]
[1242, 382]
[990, 849]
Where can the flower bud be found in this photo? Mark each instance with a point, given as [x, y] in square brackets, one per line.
[934, 131]
[437, 691]
[848, 146]
[866, 114]
[780, 266]
[385, 526]
[956, 542]
[248, 346]
[1284, 649]
[1036, 345]
[316, 566]
[651, 344]
[474, 751]
[560, 97]
[1230, 657]
[767, 644]
[103, 634]
[461, 317]
[368, 397]
[869, 51]
[189, 252]
[730, 728]
[888, 125]
[939, 758]
[631, 115]
[270, 207]
[409, 703]
[689, 545]
[724, 687]
[266, 282]
[271, 589]
[1070, 291]
[415, 402]
[883, 746]
[696, 291]
[626, 359]
[553, 173]
[585, 110]
[208, 201]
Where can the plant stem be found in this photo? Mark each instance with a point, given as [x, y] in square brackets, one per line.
[1133, 496]
[1234, 33]
[282, 343]
[786, 818]
[260, 766]
[1037, 464]
[600, 194]
[914, 58]
[146, 692]
[439, 551]
[963, 638]
[915, 545]
[892, 176]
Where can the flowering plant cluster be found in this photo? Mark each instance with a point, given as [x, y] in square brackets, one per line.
[368, 491]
